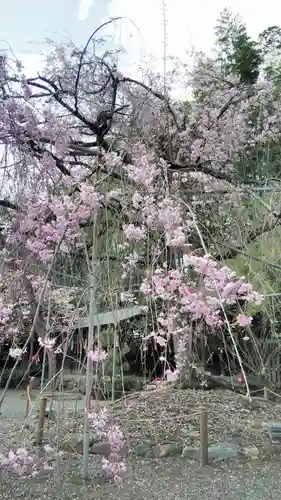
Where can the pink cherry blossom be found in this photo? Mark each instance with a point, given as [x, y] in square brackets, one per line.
[47, 342]
[244, 320]
[97, 355]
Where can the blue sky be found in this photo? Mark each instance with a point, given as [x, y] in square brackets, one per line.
[25, 23]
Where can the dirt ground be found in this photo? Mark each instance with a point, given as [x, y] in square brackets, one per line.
[14, 404]
[146, 479]
[155, 480]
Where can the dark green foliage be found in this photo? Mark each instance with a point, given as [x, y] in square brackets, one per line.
[129, 383]
[20, 376]
[246, 59]
[238, 53]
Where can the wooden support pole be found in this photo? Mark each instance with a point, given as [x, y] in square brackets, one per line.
[28, 396]
[265, 393]
[27, 403]
[204, 436]
[40, 428]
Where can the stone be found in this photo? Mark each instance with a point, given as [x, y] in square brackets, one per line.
[272, 448]
[104, 449]
[251, 452]
[273, 430]
[150, 387]
[255, 403]
[217, 450]
[223, 450]
[144, 449]
[168, 449]
[256, 424]
[74, 443]
[191, 453]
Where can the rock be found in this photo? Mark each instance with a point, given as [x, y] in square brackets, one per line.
[150, 387]
[273, 430]
[217, 450]
[272, 448]
[74, 444]
[34, 383]
[255, 403]
[251, 452]
[144, 449]
[104, 449]
[223, 450]
[257, 425]
[169, 449]
[78, 384]
[191, 453]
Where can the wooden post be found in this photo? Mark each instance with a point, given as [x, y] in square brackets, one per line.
[204, 436]
[265, 393]
[28, 396]
[40, 428]
[27, 403]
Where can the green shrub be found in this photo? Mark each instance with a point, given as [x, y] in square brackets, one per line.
[20, 377]
[130, 383]
[17, 378]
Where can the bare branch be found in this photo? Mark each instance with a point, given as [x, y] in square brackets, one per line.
[232, 252]
[159, 96]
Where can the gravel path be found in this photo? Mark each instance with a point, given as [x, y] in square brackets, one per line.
[157, 480]
[146, 479]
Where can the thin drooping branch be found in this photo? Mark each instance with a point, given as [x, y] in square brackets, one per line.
[232, 252]
[83, 53]
[204, 168]
[157, 94]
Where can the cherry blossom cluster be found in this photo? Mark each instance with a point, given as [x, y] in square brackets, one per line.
[23, 464]
[56, 148]
[158, 212]
[200, 290]
[114, 464]
[16, 317]
[48, 223]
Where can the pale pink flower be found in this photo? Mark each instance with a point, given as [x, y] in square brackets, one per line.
[97, 355]
[16, 352]
[160, 340]
[172, 376]
[244, 320]
[134, 233]
[47, 342]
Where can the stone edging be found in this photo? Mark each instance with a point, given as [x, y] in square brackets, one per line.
[148, 449]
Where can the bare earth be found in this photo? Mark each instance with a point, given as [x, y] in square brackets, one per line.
[154, 479]
[157, 480]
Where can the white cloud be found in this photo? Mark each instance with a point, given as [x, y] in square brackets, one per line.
[33, 64]
[84, 8]
[189, 23]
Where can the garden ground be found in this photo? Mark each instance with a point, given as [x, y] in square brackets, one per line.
[156, 480]
[146, 478]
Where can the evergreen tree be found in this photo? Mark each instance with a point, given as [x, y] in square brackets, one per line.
[238, 54]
